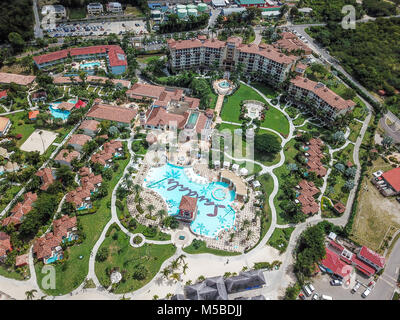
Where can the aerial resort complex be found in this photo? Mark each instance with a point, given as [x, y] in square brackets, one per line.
[214, 150]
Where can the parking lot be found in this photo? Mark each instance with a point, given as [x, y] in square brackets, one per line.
[101, 28]
[322, 285]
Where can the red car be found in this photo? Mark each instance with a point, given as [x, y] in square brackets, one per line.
[301, 296]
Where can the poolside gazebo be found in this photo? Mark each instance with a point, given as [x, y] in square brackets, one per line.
[244, 172]
[235, 168]
[235, 183]
[227, 164]
[187, 209]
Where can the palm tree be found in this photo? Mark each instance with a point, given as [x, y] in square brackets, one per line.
[174, 264]
[150, 207]
[125, 298]
[155, 297]
[176, 276]
[168, 296]
[249, 233]
[246, 223]
[161, 213]
[137, 188]
[165, 272]
[181, 258]
[188, 283]
[185, 267]
[30, 294]
[139, 200]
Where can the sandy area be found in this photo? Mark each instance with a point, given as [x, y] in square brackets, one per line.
[34, 142]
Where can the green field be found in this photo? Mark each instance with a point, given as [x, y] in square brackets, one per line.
[71, 273]
[21, 125]
[124, 257]
[280, 238]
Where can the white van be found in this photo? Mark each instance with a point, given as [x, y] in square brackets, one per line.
[311, 287]
[325, 297]
[366, 293]
[307, 291]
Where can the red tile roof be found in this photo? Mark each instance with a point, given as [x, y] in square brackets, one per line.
[372, 256]
[77, 196]
[79, 139]
[333, 263]
[112, 113]
[33, 114]
[116, 55]
[5, 243]
[65, 155]
[47, 178]
[188, 204]
[323, 92]
[20, 209]
[362, 266]
[3, 94]
[89, 125]
[43, 246]
[83, 172]
[16, 78]
[393, 178]
[92, 79]
[22, 260]
[63, 225]
[339, 207]
[145, 90]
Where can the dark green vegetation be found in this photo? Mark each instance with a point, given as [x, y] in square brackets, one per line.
[379, 8]
[280, 238]
[16, 17]
[174, 24]
[136, 265]
[199, 246]
[370, 52]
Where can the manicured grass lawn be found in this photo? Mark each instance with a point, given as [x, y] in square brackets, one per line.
[355, 128]
[12, 274]
[25, 127]
[71, 273]
[203, 249]
[148, 58]
[280, 238]
[266, 90]
[133, 11]
[274, 119]
[345, 154]
[123, 256]
[77, 13]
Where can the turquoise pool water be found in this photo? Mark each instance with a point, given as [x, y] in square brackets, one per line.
[89, 65]
[60, 114]
[193, 119]
[213, 214]
[223, 84]
[54, 258]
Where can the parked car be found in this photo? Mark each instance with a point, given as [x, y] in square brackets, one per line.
[307, 290]
[301, 296]
[315, 296]
[311, 287]
[366, 293]
[325, 297]
[356, 287]
[336, 282]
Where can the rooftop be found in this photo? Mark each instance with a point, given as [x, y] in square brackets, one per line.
[112, 113]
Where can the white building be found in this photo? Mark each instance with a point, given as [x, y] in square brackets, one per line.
[94, 8]
[114, 7]
[57, 9]
[202, 53]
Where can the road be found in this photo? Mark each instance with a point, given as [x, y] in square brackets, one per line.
[387, 281]
[38, 32]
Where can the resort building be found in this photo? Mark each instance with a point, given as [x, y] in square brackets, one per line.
[94, 8]
[47, 178]
[110, 150]
[236, 183]
[219, 288]
[84, 171]
[122, 116]
[114, 7]
[371, 258]
[292, 44]
[90, 127]
[313, 156]
[48, 248]
[113, 54]
[77, 141]
[3, 94]
[5, 125]
[57, 10]
[65, 157]
[251, 3]
[336, 267]
[81, 196]
[317, 99]
[202, 53]
[39, 96]
[93, 80]
[7, 78]
[392, 180]
[5, 245]
[171, 109]
[187, 209]
[18, 212]
[305, 196]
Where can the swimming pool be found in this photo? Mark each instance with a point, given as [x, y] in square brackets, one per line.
[89, 65]
[192, 119]
[224, 84]
[214, 213]
[60, 114]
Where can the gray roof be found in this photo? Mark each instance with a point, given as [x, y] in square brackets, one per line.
[260, 297]
[245, 281]
[219, 3]
[210, 289]
[178, 297]
[228, 11]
